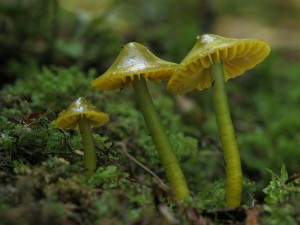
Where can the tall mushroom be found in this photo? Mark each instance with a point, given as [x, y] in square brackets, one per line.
[211, 62]
[134, 64]
[83, 115]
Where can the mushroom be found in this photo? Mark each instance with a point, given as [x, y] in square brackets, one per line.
[83, 115]
[211, 62]
[134, 64]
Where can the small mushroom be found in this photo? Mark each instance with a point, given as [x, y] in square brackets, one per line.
[213, 60]
[82, 115]
[134, 64]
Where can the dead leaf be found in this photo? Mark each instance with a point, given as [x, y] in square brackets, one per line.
[195, 217]
[253, 215]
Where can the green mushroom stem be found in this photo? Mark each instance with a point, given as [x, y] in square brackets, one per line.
[88, 146]
[82, 115]
[227, 136]
[167, 157]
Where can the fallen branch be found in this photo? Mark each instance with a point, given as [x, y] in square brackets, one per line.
[133, 159]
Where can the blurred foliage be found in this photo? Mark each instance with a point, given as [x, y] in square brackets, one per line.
[48, 88]
[282, 198]
[277, 191]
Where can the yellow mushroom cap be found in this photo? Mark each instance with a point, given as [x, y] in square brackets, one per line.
[78, 109]
[237, 55]
[134, 59]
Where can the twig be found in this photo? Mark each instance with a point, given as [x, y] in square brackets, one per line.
[128, 155]
[11, 117]
[69, 145]
[58, 153]
[292, 178]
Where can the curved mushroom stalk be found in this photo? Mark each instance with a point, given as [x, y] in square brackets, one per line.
[160, 139]
[228, 139]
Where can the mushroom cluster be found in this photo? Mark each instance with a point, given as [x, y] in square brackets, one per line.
[211, 62]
